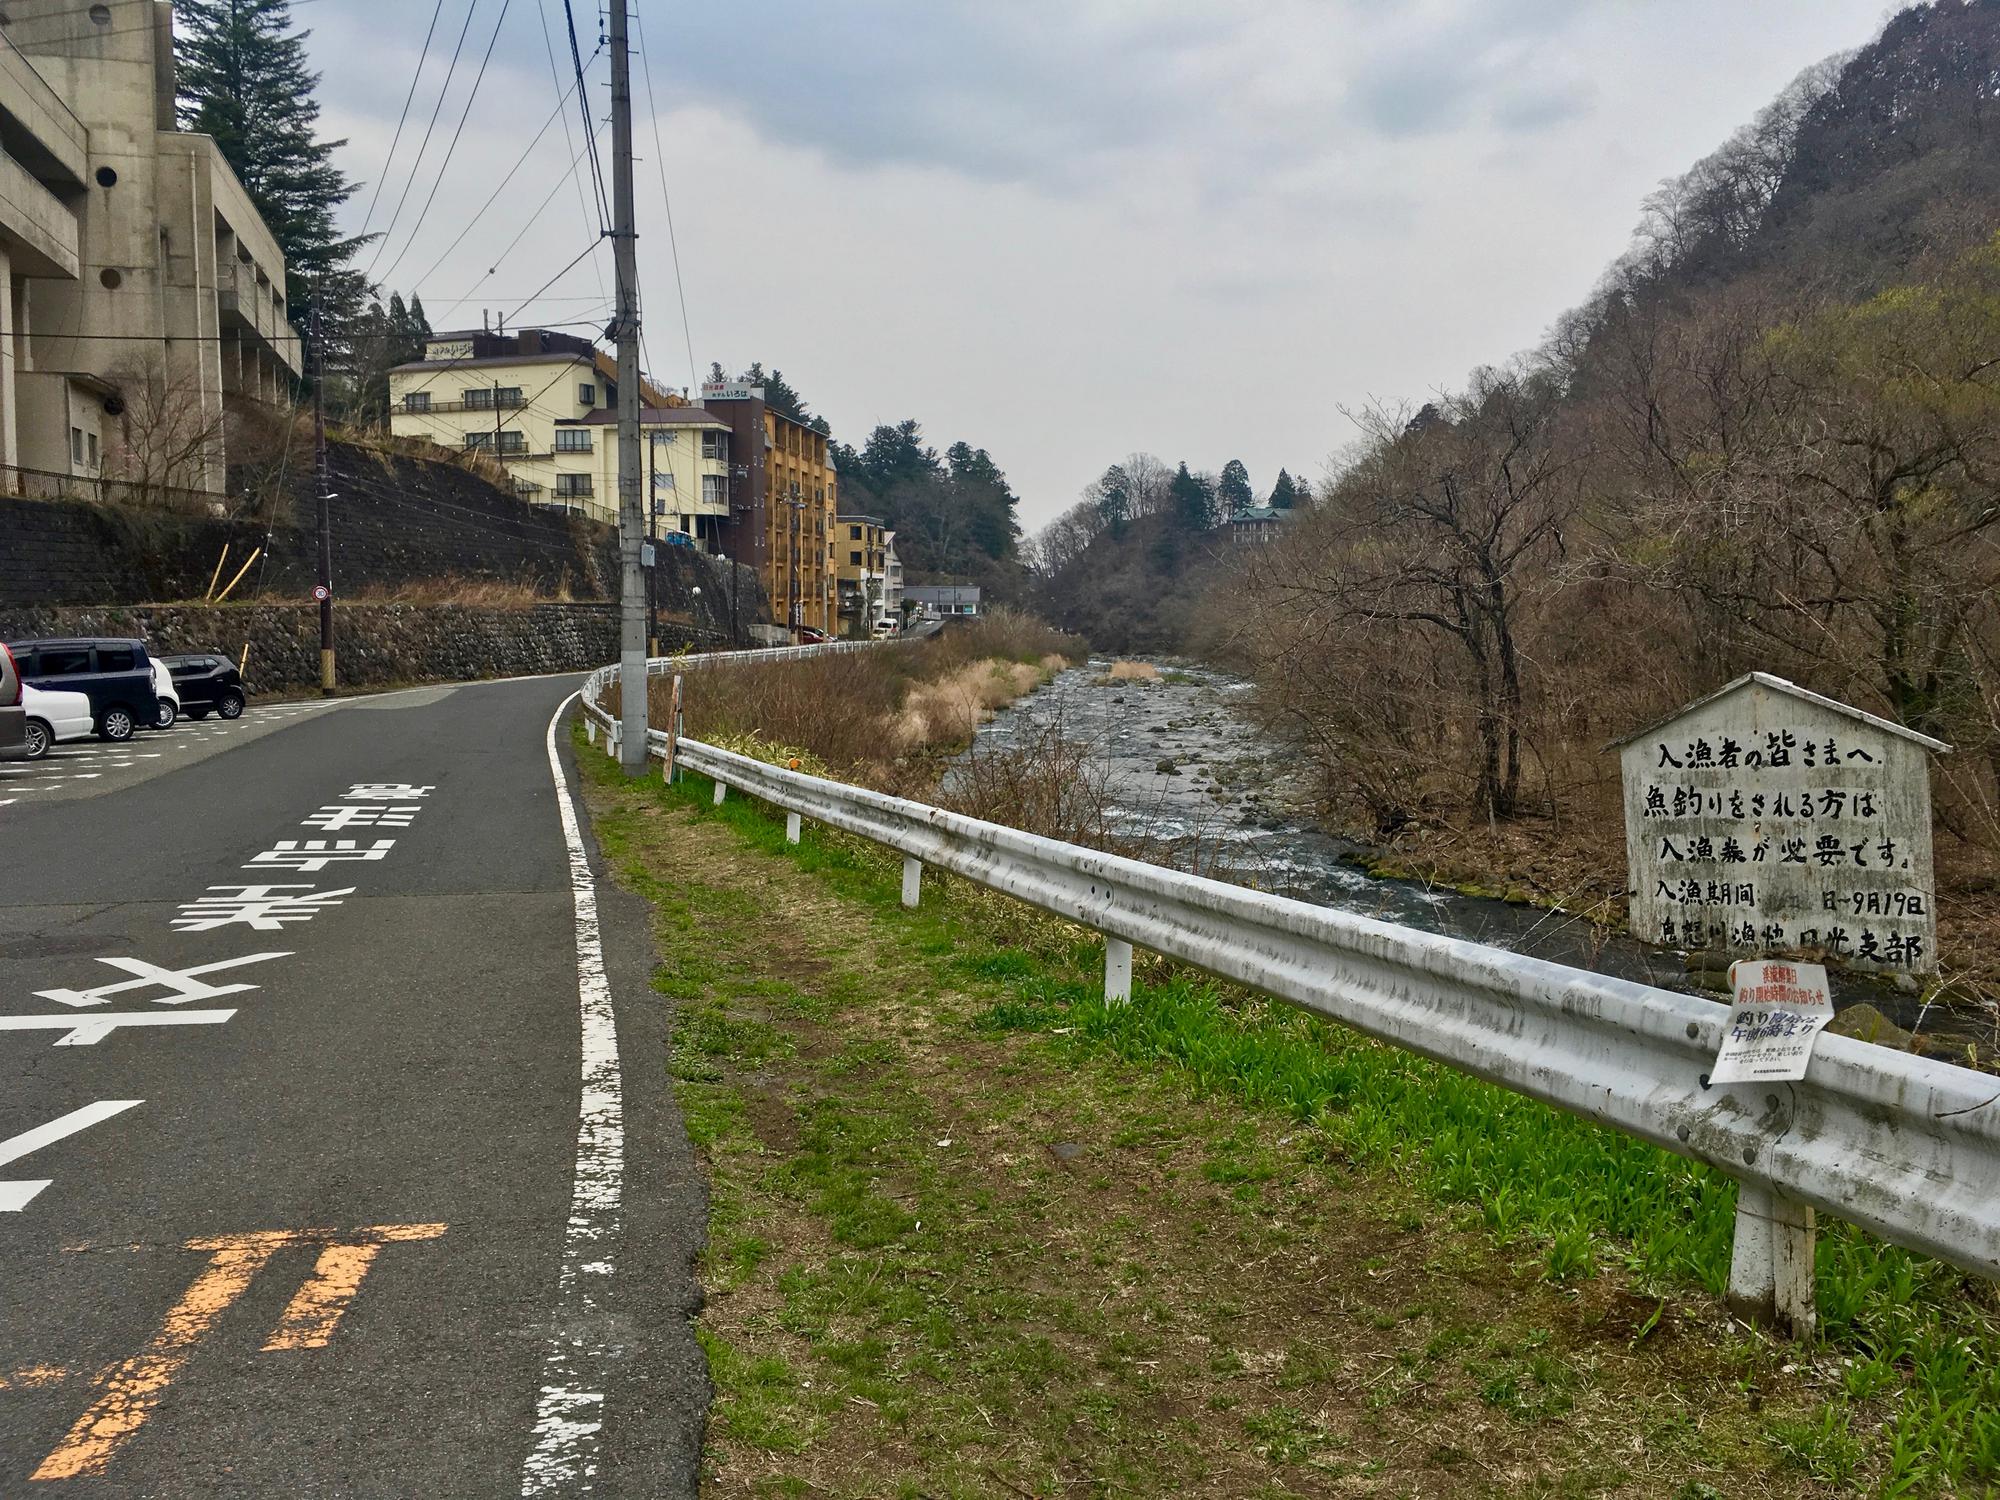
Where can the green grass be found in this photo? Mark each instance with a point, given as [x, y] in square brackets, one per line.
[1908, 1331]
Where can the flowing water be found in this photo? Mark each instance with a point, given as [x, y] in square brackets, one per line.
[1192, 781]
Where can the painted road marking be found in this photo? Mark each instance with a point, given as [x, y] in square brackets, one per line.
[184, 984]
[15, 1196]
[133, 1389]
[349, 815]
[32, 1378]
[88, 1031]
[314, 1311]
[386, 791]
[310, 855]
[262, 908]
[569, 1415]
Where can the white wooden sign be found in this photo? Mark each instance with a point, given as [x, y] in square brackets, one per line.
[1766, 819]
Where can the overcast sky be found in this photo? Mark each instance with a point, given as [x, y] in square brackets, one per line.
[1065, 229]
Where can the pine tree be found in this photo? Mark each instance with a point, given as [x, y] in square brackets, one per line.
[1233, 494]
[1193, 500]
[243, 79]
[1285, 493]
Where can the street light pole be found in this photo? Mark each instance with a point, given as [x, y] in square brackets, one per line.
[631, 523]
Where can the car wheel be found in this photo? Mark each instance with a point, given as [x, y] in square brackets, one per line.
[116, 725]
[231, 706]
[39, 739]
[168, 713]
[197, 713]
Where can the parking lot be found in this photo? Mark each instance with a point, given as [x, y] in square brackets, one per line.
[83, 768]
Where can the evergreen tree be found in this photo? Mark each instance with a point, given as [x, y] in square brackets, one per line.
[1233, 494]
[778, 393]
[1285, 493]
[243, 79]
[716, 374]
[1193, 500]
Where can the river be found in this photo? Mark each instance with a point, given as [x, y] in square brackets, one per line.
[1193, 782]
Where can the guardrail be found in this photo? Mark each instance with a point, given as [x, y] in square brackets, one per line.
[1904, 1146]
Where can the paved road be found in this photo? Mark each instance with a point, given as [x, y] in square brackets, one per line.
[309, 1222]
[86, 768]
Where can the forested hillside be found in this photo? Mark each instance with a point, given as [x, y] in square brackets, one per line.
[1769, 439]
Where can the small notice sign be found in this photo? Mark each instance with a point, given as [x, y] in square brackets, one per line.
[1781, 1008]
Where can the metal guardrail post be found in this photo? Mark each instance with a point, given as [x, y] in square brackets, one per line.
[794, 824]
[721, 791]
[913, 880]
[1117, 971]
[1771, 1261]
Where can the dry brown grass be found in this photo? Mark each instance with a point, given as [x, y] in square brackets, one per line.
[1133, 671]
[473, 593]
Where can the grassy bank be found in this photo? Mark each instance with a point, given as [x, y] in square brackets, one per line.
[883, 717]
[976, 1233]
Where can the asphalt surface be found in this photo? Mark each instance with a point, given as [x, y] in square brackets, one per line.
[321, 1255]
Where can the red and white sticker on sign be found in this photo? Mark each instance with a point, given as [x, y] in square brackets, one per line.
[1780, 1009]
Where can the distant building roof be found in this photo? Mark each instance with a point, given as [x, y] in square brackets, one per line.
[1259, 514]
[943, 593]
[655, 416]
[859, 520]
[552, 357]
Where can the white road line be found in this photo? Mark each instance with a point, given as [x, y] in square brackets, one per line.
[569, 1415]
[15, 1196]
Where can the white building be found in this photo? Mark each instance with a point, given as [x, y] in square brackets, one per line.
[142, 286]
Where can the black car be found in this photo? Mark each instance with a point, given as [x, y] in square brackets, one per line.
[116, 675]
[208, 682]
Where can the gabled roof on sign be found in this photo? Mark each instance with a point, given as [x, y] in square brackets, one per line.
[1792, 689]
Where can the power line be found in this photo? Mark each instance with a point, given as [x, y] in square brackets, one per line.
[417, 165]
[583, 103]
[569, 144]
[445, 165]
[660, 161]
[493, 197]
[423, 56]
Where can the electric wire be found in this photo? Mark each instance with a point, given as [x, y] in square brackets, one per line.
[368, 273]
[445, 165]
[569, 143]
[660, 161]
[423, 56]
[583, 103]
[494, 196]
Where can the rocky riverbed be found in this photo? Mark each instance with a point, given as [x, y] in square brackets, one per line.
[1191, 781]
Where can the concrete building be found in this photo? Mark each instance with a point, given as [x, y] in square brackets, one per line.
[142, 287]
[1257, 525]
[544, 405]
[861, 567]
[892, 578]
[961, 599]
[686, 453]
[783, 505]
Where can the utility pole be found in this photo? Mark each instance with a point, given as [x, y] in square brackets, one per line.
[322, 504]
[631, 521]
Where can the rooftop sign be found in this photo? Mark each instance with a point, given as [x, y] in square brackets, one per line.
[731, 390]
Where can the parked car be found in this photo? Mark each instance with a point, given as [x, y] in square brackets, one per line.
[207, 682]
[53, 717]
[170, 700]
[13, 714]
[811, 636]
[115, 674]
[883, 627]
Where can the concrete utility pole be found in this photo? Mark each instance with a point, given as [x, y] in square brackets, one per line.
[322, 505]
[631, 520]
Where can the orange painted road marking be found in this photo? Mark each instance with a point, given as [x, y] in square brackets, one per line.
[134, 1388]
[309, 1319]
[32, 1377]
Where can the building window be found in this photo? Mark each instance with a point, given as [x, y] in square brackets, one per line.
[714, 490]
[573, 439]
[76, 445]
[586, 395]
[490, 397]
[513, 442]
[854, 559]
[91, 439]
[573, 485]
[479, 440]
[854, 533]
[417, 401]
[665, 437]
[715, 445]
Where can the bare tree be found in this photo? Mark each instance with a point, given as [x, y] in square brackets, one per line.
[169, 440]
